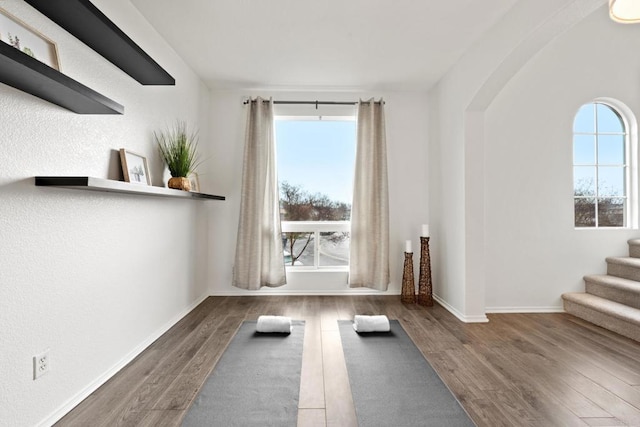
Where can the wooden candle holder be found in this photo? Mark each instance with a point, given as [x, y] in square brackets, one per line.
[408, 284]
[425, 287]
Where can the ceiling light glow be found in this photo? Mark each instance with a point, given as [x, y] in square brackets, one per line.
[625, 11]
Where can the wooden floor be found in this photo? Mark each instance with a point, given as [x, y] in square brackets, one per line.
[516, 370]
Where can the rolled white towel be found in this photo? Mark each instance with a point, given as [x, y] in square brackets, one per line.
[378, 323]
[271, 324]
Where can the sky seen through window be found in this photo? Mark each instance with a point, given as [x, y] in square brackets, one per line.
[318, 155]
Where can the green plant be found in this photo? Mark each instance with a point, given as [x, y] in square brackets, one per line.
[178, 149]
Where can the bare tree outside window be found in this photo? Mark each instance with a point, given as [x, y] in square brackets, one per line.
[610, 209]
[296, 204]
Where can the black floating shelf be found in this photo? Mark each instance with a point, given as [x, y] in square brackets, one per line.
[98, 184]
[85, 21]
[23, 72]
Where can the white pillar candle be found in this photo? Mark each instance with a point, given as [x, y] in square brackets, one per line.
[408, 246]
[425, 230]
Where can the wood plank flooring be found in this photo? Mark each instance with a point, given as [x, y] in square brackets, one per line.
[516, 370]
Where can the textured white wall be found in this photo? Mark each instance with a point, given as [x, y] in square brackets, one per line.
[91, 276]
[407, 117]
[534, 254]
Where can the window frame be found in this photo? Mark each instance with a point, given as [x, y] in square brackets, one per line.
[630, 212]
[315, 227]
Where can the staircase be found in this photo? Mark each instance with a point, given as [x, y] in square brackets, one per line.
[612, 300]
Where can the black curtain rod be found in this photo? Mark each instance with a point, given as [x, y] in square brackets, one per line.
[316, 103]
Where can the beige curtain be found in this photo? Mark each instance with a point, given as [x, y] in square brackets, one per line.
[369, 257]
[259, 259]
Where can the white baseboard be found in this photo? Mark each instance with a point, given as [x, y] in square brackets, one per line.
[83, 394]
[276, 292]
[466, 319]
[552, 309]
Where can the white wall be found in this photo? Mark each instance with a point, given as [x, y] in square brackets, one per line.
[94, 277]
[457, 144]
[533, 252]
[406, 115]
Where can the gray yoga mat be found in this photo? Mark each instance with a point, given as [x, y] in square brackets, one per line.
[255, 383]
[393, 384]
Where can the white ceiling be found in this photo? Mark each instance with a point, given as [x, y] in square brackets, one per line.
[325, 44]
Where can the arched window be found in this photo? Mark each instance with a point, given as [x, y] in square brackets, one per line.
[601, 167]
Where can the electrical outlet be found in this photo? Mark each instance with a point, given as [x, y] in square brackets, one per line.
[40, 364]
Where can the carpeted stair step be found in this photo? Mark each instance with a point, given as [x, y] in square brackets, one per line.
[634, 248]
[614, 288]
[610, 315]
[625, 267]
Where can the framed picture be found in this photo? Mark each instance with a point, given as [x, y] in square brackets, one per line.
[134, 167]
[26, 39]
[195, 182]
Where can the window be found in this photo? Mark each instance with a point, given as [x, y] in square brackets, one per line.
[601, 177]
[316, 159]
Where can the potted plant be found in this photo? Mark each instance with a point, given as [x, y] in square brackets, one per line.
[178, 149]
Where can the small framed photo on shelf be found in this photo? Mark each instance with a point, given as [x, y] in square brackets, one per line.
[134, 167]
[28, 40]
[195, 182]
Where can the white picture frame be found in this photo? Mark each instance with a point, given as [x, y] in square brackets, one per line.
[28, 40]
[134, 167]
